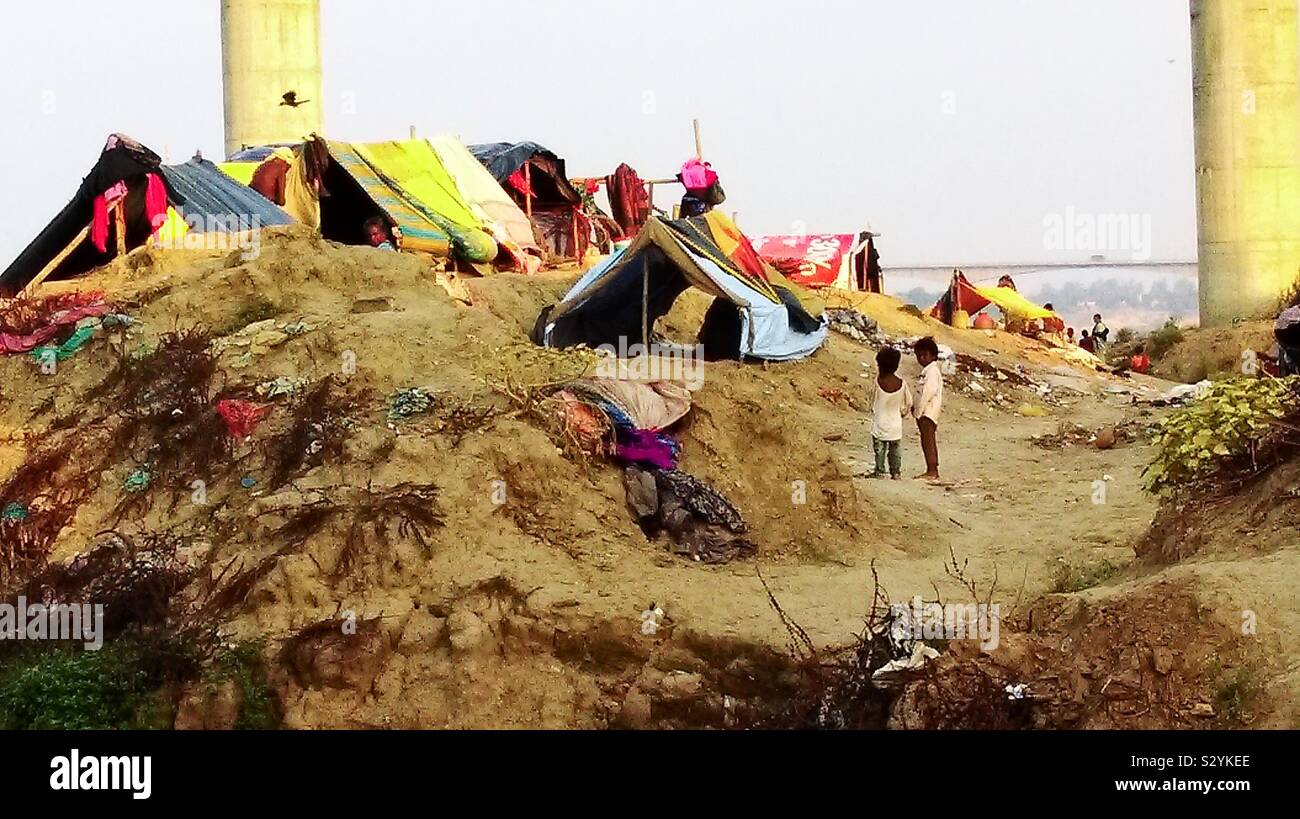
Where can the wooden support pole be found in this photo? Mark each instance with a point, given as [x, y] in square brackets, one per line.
[57, 260]
[699, 141]
[119, 221]
[528, 193]
[645, 307]
[577, 248]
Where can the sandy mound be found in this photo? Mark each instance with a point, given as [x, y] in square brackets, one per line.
[461, 566]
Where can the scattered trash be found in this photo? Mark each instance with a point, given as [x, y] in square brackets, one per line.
[853, 324]
[241, 417]
[138, 481]
[65, 350]
[702, 523]
[650, 619]
[281, 386]
[1017, 692]
[248, 481]
[920, 655]
[1181, 394]
[1031, 411]
[13, 511]
[1105, 439]
[113, 321]
[409, 402]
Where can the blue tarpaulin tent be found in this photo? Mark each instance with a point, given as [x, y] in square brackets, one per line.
[219, 202]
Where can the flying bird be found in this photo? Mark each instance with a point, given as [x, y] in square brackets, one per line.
[291, 99]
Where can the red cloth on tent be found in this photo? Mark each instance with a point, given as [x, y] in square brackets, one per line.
[628, 199]
[967, 298]
[99, 224]
[519, 183]
[155, 199]
[241, 417]
[269, 179]
[155, 206]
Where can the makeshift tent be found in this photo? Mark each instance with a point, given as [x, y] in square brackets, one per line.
[536, 179]
[967, 297]
[215, 203]
[756, 313]
[126, 197]
[487, 199]
[845, 260]
[346, 183]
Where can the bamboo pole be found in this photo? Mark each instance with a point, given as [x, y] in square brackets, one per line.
[119, 220]
[528, 194]
[645, 307]
[57, 260]
[699, 140]
[577, 249]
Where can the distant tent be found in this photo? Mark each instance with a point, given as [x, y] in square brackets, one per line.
[130, 180]
[536, 179]
[485, 196]
[756, 313]
[848, 261]
[970, 298]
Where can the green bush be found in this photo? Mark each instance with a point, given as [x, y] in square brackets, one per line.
[259, 707]
[1230, 426]
[1163, 340]
[74, 689]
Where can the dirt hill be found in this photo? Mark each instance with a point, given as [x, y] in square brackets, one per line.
[463, 566]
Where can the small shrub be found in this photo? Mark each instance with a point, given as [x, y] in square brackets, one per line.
[1230, 427]
[1235, 692]
[73, 689]
[259, 707]
[1069, 578]
[1163, 340]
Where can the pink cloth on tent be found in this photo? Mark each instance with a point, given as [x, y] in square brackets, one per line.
[155, 208]
[697, 175]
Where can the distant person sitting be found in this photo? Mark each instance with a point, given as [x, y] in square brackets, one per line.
[1053, 323]
[893, 400]
[1140, 362]
[377, 235]
[1069, 336]
[1086, 342]
[1006, 281]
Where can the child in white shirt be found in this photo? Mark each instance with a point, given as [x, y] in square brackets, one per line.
[893, 401]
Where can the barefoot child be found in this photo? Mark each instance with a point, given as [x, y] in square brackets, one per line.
[893, 401]
[929, 400]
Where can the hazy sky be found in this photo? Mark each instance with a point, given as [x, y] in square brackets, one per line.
[952, 127]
